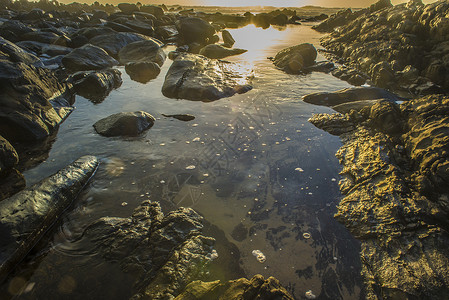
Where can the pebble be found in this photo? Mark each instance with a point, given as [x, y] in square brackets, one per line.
[306, 235]
[259, 256]
[310, 295]
[191, 167]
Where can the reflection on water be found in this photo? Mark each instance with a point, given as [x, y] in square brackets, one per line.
[263, 177]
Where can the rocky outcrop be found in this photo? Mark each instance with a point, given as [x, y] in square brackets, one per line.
[164, 252]
[195, 77]
[88, 57]
[255, 288]
[294, 59]
[11, 52]
[124, 124]
[395, 170]
[402, 47]
[26, 112]
[219, 52]
[26, 216]
[96, 85]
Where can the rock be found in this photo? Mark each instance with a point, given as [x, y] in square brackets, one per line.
[25, 110]
[12, 30]
[13, 53]
[88, 57]
[350, 95]
[295, 59]
[26, 216]
[196, 77]
[128, 8]
[124, 124]
[11, 183]
[8, 156]
[194, 30]
[143, 51]
[44, 49]
[218, 51]
[167, 32]
[91, 32]
[255, 288]
[113, 43]
[320, 66]
[336, 124]
[181, 117]
[152, 9]
[165, 252]
[395, 178]
[142, 71]
[228, 40]
[140, 27]
[46, 37]
[96, 85]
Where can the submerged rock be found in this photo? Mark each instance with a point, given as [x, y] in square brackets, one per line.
[165, 252]
[124, 124]
[395, 169]
[181, 117]
[142, 71]
[11, 180]
[255, 288]
[294, 59]
[88, 57]
[146, 50]
[96, 85]
[195, 77]
[218, 51]
[26, 216]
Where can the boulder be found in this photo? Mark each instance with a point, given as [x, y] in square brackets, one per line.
[152, 9]
[96, 85]
[12, 30]
[124, 124]
[194, 30]
[113, 43]
[88, 57]
[26, 216]
[25, 110]
[228, 40]
[142, 71]
[44, 49]
[14, 53]
[253, 289]
[167, 32]
[218, 51]
[195, 77]
[46, 37]
[128, 8]
[295, 59]
[146, 50]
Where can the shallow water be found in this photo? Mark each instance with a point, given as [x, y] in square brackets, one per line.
[262, 176]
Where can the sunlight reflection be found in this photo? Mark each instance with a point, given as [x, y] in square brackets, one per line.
[115, 166]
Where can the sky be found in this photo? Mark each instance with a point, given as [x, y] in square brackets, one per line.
[277, 3]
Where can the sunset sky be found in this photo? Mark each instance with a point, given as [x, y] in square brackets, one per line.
[279, 3]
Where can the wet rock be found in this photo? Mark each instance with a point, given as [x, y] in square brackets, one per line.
[146, 50]
[8, 156]
[350, 95]
[152, 9]
[167, 32]
[128, 8]
[181, 117]
[13, 53]
[240, 232]
[88, 57]
[321, 66]
[113, 43]
[195, 77]
[11, 183]
[335, 124]
[46, 37]
[96, 85]
[255, 288]
[12, 30]
[25, 110]
[195, 30]
[124, 124]
[218, 51]
[142, 71]
[26, 216]
[395, 196]
[165, 253]
[295, 59]
[44, 49]
[228, 40]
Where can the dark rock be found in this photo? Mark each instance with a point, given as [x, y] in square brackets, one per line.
[26, 216]
[143, 51]
[12, 52]
[165, 252]
[124, 124]
[181, 117]
[280, 20]
[196, 77]
[195, 30]
[142, 71]
[91, 32]
[320, 66]
[25, 110]
[11, 183]
[46, 37]
[113, 43]
[152, 9]
[42, 48]
[96, 85]
[386, 117]
[295, 59]
[218, 51]
[255, 288]
[140, 27]
[228, 40]
[88, 57]
[240, 232]
[167, 32]
[12, 30]
[8, 156]
[128, 8]
[336, 124]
